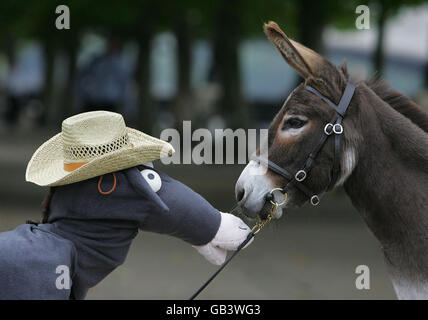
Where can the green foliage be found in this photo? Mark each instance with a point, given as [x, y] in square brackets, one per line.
[37, 18]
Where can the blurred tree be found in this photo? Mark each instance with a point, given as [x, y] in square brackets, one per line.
[313, 17]
[302, 20]
[38, 19]
[11, 30]
[146, 26]
[10, 27]
[227, 23]
[177, 16]
[380, 12]
[126, 20]
[227, 32]
[183, 35]
[136, 21]
[384, 10]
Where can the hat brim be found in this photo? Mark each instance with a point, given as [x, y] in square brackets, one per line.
[46, 167]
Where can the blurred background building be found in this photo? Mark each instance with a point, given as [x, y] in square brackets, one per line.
[161, 62]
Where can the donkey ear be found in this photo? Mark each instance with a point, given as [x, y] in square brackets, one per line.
[344, 68]
[304, 60]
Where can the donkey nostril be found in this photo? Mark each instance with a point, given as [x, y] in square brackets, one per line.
[240, 195]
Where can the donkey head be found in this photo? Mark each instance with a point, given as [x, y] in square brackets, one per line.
[297, 128]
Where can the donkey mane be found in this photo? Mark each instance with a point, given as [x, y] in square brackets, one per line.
[399, 102]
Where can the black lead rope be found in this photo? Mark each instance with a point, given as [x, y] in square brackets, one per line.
[259, 226]
[249, 237]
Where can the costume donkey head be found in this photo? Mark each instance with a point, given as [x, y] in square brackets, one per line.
[102, 196]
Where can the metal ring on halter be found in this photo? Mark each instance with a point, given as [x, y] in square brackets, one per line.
[338, 128]
[315, 200]
[328, 129]
[298, 174]
[283, 201]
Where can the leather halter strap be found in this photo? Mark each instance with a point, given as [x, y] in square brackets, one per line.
[333, 127]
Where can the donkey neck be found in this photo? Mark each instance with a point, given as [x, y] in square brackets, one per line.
[391, 175]
[389, 184]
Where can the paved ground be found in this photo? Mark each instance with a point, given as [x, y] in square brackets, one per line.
[311, 253]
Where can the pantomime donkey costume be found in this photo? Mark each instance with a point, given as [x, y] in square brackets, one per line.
[101, 195]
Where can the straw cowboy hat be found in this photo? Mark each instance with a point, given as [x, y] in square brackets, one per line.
[92, 144]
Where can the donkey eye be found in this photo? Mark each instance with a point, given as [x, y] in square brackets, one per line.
[152, 178]
[294, 123]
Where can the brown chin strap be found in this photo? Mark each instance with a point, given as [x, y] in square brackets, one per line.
[333, 127]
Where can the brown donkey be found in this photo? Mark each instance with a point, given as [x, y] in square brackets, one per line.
[382, 159]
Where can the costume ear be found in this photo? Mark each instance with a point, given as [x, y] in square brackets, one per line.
[142, 187]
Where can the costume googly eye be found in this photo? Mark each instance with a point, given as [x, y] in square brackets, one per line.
[152, 178]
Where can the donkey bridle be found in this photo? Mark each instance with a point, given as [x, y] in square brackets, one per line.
[334, 126]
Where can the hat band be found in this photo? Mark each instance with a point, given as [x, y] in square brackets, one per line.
[80, 153]
[73, 166]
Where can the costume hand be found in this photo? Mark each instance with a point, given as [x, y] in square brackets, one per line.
[231, 233]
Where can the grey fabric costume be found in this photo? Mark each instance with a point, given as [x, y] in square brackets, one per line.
[91, 233]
